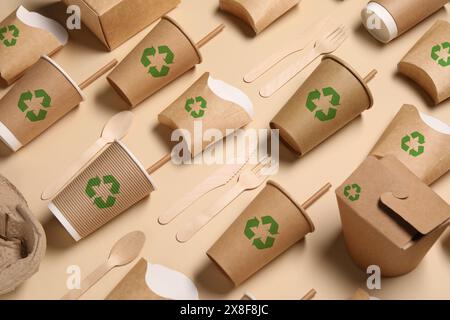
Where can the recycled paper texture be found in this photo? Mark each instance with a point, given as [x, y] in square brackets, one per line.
[24, 37]
[39, 99]
[271, 224]
[212, 103]
[115, 21]
[258, 14]
[22, 239]
[389, 217]
[329, 99]
[153, 282]
[107, 186]
[420, 142]
[408, 14]
[162, 56]
[428, 62]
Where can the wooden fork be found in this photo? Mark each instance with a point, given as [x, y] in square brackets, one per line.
[325, 45]
[248, 180]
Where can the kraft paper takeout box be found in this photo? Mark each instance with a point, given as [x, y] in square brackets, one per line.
[22, 239]
[388, 19]
[419, 141]
[258, 14]
[115, 21]
[272, 223]
[389, 217]
[107, 186]
[211, 104]
[137, 285]
[41, 97]
[162, 56]
[428, 62]
[332, 96]
[24, 37]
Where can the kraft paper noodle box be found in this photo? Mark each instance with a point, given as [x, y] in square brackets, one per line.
[41, 97]
[24, 37]
[137, 77]
[304, 123]
[107, 186]
[146, 281]
[428, 62]
[115, 21]
[212, 103]
[272, 223]
[419, 141]
[389, 217]
[387, 19]
[258, 14]
[22, 239]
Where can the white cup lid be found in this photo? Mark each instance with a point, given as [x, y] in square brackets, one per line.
[379, 22]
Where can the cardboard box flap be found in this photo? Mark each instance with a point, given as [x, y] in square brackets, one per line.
[421, 208]
[102, 6]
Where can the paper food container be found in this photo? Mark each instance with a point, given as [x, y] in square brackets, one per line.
[272, 223]
[428, 62]
[41, 97]
[146, 281]
[419, 141]
[115, 21]
[162, 56]
[390, 218]
[106, 187]
[24, 37]
[258, 14]
[22, 239]
[387, 19]
[332, 96]
[211, 103]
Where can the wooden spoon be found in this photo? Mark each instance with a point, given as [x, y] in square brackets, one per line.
[115, 129]
[124, 251]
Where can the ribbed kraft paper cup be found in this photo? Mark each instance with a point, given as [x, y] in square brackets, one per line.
[421, 148]
[162, 56]
[428, 62]
[332, 96]
[271, 224]
[109, 185]
[39, 99]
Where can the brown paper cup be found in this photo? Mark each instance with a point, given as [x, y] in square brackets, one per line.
[258, 14]
[332, 96]
[39, 99]
[162, 56]
[271, 224]
[109, 185]
[411, 139]
[428, 62]
[214, 104]
[22, 239]
[24, 38]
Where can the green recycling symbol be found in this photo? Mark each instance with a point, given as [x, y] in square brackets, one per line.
[97, 182]
[191, 102]
[151, 52]
[255, 224]
[420, 138]
[436, 57]
[355, 195]
[14, 32]
[335, 100]
[28, 96]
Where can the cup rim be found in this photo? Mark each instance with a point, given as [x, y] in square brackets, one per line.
[172, 21]
[355, 74]
[299, 207]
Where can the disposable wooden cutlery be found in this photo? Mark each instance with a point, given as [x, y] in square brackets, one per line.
[248, 180]
[325, 45]
[124, 251]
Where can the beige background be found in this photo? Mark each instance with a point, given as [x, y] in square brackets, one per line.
[321, 261]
